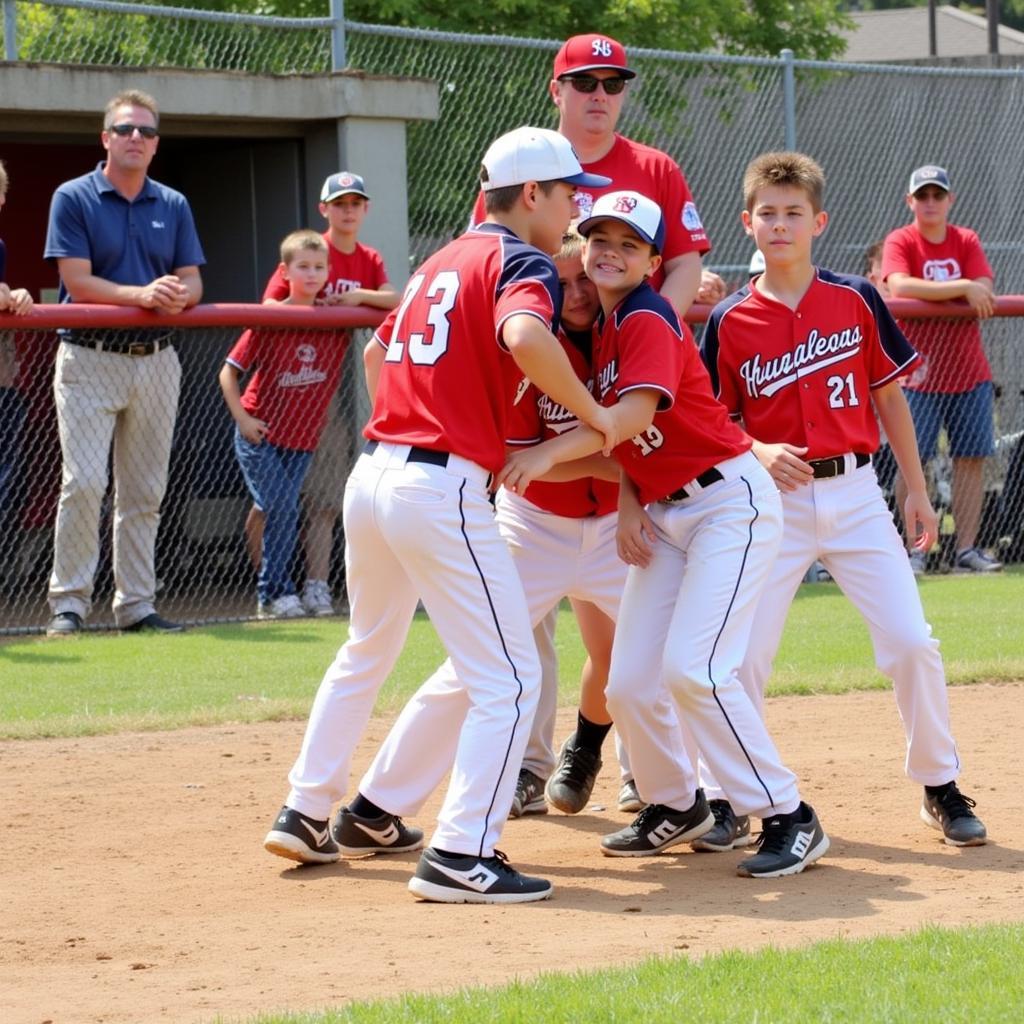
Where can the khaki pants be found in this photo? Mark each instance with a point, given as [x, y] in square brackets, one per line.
[132, 401]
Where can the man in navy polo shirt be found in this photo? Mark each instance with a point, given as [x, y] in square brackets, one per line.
[119, 238]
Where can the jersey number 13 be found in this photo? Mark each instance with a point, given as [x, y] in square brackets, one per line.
[425, 346]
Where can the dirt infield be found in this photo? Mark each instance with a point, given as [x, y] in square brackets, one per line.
[136, 889]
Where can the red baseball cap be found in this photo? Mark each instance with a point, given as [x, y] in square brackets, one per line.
[591, 53]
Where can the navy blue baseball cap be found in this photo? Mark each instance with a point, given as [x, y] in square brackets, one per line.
[341, 184]
[930, 174]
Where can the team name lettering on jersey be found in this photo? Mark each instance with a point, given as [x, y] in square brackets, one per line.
[767, 376]
[306, 376]
[942, 270]
[607, 376]
[557, 418]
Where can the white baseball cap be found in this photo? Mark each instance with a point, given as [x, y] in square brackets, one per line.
[757, 265]
[643, 215]
[534, 154]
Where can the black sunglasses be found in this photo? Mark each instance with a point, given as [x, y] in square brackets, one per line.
[587, 83]
[124, 130]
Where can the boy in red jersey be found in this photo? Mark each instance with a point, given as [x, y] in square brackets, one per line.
[807, 358]
[281, 414]
[443, 370]
[952, 387]
[356, 276]
[699, 557]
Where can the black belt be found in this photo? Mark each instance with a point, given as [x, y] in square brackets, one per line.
[416, 454]
[706, 479]
[836, 466]
[124, 348]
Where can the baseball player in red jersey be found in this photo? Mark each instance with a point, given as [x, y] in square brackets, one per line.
[473, 319]
[806, 358]
[699, 558]
[562, 538]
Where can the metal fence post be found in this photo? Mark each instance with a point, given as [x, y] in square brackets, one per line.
[789, 97]
[10, 31]
[339, 59]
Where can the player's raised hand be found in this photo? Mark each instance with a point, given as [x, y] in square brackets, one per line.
[785, 463]
[523, 467]
[712, 288]
[922, 524]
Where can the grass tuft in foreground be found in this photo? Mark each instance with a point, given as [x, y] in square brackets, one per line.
[931, 975]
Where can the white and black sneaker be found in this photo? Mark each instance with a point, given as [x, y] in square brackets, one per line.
[529, 798]
[362, 837]
[730, 831]
[630, 800]
[952, 813]
[573, 779]
[296, 837]
[657, 827]
[788, 843]
[453, 878]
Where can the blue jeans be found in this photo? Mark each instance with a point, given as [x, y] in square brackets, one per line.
[274, 477]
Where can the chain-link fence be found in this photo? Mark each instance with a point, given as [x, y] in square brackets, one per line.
[208, 544]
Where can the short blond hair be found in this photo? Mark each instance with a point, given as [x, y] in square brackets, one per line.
[787, 169]
[572, 246]
[133, 98]
[297, 241]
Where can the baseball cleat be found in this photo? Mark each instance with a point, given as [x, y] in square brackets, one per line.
[949, 811]
[296, 837]
[453, 878]
[788, 844]
[529, 798]
[658, 827]
[363, 837]
[573, 779]
[629, 799]
[730, 832]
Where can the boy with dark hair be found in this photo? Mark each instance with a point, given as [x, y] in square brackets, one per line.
[806, 358]
[281, 415]
[699, 558]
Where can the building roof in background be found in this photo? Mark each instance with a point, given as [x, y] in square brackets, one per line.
[902, 34]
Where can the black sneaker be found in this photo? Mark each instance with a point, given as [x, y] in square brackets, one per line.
[64, 624]
[296, 837]
[787, 844]
[730, 832]
[529, 798]
[658, 827]
[153, 623]
[570, 786]
[363, 837]
[451, 878]
[951, 813]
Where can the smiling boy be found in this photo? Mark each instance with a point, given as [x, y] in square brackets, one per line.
[699, 556]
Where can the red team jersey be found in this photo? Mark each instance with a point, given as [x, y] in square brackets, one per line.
[362, 268]
[535, 418]
[295, 374]
[448, 381]
[643, 344]
[632, 165]
[804, 376]
[953, 359]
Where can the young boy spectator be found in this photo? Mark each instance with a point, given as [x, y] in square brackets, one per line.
[806, 358]
[12, 300]
[442, 372]
[933, 259]
[355, 277]
[699, 555]
[281, 415]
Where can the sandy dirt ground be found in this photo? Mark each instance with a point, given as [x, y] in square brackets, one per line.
[135, 886]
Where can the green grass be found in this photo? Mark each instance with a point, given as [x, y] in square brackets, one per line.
[269, 671]
[932, 975]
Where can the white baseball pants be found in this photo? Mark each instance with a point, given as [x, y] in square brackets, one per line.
[845, 522]
[417, 530]
[682, 633]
